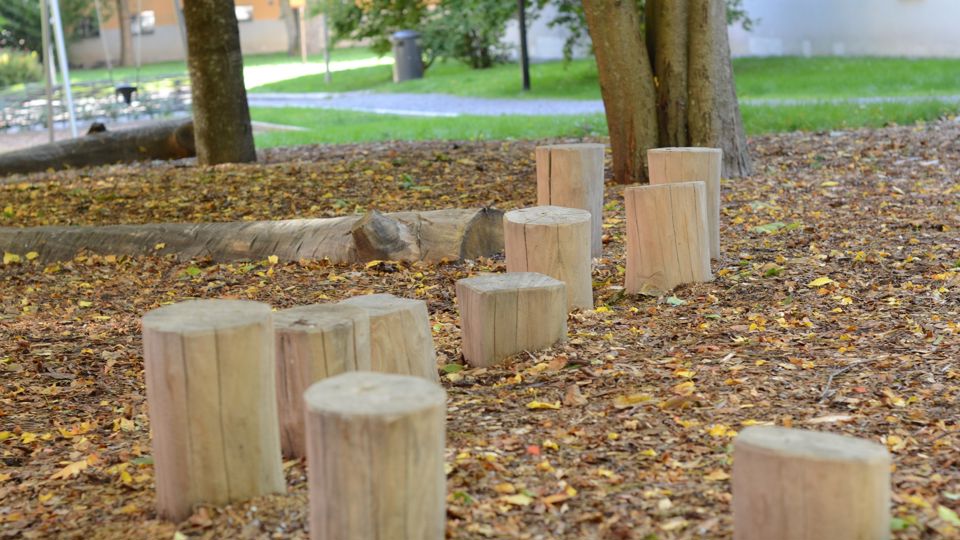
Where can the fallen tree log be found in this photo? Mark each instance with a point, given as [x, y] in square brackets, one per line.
[172, 139]
[429, 236]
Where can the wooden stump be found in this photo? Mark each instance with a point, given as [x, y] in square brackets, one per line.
[503, 314]
[692, 164]
[212, 403]
[401, 340]
[792, 484]
[375, 446]
[554, 241]
[667, 239]
[313, 343]
[571, 175]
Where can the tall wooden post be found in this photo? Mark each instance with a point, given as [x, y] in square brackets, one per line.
[667, 239]
[571, 175]
[792, 484]
[692, 164]
[554, 241]
[314, 342]
[212, 403]
[375, 445]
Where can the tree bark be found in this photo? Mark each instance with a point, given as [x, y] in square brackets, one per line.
[290, 22]
[713, 117]
[126, 34]
[164, 140]
[451, 235]
[667, 30]
[220, 112]
[626, 84]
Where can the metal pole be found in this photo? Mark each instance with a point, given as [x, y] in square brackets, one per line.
[182, 24]
[103, 41]
[326, 50]
[303, 33]
[47, 64]
[524, 58]
[64, 69]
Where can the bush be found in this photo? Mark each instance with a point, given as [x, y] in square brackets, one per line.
[18, 67]
[469, 30]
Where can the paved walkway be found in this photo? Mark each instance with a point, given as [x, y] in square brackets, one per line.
[434, 105]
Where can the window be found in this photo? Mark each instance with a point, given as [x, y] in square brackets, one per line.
[244, 13]
[86, 28]
[144, 23]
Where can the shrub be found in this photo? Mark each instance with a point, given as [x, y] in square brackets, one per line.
[19, 67]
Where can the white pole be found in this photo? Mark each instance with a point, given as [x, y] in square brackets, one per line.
[326, 50]
[47, 64]
[103, 41]
[64, 69]
[182, 25]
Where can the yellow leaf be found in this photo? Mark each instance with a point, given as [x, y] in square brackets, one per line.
[72, 469]
[84, 303]
[4, 435]
[4, 477]
[820, 282]
[505, 488]
[10, 258]
[623, 402]
[159, 246]
[716, 476]
[543, 405]
[829, 183]
[602, 309]
[685, 373]
[44, 497]
[32, 255]
[518, 500]
[373, 263]
[273, 259]
[685, 388]
[26, 437]
[550, 445]
[721, 430]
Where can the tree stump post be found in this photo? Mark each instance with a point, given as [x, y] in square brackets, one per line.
[692, 164]
[554, 241]
[571, 175]
[401, 340]
[375, 446]
[792, 484]
[503, 314]
[212, 403]
[313, 343]
[667, 239]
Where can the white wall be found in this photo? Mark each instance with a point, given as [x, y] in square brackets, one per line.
[543, 42]
[850, 27]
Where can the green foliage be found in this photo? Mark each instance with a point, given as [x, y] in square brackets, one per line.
[18, 67]
[467, 30]
[20, 21]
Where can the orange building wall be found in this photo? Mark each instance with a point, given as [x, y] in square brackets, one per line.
[165, 14]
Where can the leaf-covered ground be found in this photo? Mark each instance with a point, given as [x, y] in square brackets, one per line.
[836, 307]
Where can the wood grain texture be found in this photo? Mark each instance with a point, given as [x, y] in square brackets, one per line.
[554, 241]
[401, 340]
[571, 175]
[375, 447]
[450, 234]
[793, 484]
[668, 165]
[503, 314]
[314, 342]
[667, 239]
[212, 403]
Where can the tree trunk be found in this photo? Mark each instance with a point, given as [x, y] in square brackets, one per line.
[164, 140]
[126, 35]
[667, 30]
[220, 112]
[713, 117]
[626, 84]
[450, 234]
[290, 22]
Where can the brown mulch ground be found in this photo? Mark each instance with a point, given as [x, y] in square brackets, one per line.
[651, 391]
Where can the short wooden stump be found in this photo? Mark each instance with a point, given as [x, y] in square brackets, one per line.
[793, 484]
[667, 239]
[401, 340]
[375, 446]
[554, 241]
[503, 314]
[312, 343]
[212, 403]
[571, 175]
[692, 164]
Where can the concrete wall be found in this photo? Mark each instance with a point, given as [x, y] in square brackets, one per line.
[850, 27]
[543, 43]
[165, 44]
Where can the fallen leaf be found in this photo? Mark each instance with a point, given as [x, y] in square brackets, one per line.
[543, 405]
